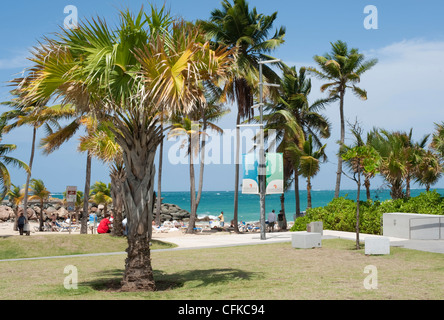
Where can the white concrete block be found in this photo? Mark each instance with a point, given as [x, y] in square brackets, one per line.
[377, 245]
[316, 226]
[306, 240]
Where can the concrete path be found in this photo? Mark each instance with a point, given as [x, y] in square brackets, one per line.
[186, 242]
[192, 242]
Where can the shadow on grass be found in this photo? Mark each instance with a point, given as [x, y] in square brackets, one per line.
[110, 280]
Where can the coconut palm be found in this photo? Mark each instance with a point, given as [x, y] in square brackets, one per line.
[39, 192]
[194, 128]
[102, 145]
[309, 162]
[342, 68]
[5, 161]
[127, 76]
[235, 25]
[55, 139]
[101, 195]
[293, 110]
[33, 113]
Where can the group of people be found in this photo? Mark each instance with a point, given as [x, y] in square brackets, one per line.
[273, 218]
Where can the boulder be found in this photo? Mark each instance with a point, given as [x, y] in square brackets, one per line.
[6, 213]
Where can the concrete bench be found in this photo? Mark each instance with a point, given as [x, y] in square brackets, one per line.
[377, 245]
[305, 240]
[413, 226]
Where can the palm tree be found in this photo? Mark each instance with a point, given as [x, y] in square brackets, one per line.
[292, 110]
[196, 132]
[437, 143]
[102, 145]
[39, 192]
[5, 160]
[127, 76]
[309, 162]
[236, 26]
[35, 114]
[101, 194]
[429, 170]
[55, 139]
[15, 196]
[342, 68]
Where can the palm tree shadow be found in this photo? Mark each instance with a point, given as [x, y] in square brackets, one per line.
[110, 280]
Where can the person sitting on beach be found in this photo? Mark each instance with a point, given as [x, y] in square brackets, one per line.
[271, 220]
[104, 225]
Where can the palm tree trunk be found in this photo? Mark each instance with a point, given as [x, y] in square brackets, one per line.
[139, 204]
[339, 171]
[159, 184]
[84, 220]
[407, 186]
[192, 222]
[357, 209]
[308, 193]
[139, 150]
[28, 178]
[117, 179]
[367, 187]
[284, 223]
[296, 194]
[236, 176]
[41, 216]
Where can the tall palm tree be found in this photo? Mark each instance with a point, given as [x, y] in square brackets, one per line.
[55, 139]
[102, 145]
[194, 128]
[39, 192]
[5, 161]
[342, 68]
[309, 162]
[33, 113]
[127, 76]
[235, 25]
[293, 110]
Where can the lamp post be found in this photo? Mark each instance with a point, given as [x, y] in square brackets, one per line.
[261, 163]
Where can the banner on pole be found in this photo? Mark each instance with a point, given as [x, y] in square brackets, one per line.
[275, 173]
[250, 184]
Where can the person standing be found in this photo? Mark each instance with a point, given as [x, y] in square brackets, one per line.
[221, 219]
[271, 220]
[21, 223]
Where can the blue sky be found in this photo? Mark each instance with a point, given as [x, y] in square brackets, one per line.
[403, 89]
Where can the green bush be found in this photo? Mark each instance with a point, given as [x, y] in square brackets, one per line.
[340, 213]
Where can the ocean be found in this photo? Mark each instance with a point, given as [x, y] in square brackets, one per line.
[213, 202]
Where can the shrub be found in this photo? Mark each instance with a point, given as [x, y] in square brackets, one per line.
[340, 213]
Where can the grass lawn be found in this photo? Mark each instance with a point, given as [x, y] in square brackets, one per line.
[259, 272]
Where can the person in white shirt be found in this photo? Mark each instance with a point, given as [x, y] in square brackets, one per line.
[271, 220]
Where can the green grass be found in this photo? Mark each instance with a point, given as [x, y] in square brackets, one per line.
[58, 245]
[262, 272]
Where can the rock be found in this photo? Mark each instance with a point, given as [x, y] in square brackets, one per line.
[6, 213]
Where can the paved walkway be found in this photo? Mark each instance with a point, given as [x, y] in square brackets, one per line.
[193, 242]
[185, 242]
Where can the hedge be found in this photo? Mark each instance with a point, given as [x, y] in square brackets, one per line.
[340, 213]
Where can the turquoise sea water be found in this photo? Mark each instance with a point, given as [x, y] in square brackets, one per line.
[213, 202]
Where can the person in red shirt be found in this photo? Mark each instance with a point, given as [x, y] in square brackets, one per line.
[104, 225]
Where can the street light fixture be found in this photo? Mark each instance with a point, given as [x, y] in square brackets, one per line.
[262, 167]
